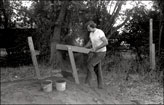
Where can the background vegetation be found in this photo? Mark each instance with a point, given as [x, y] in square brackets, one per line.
[65, 22]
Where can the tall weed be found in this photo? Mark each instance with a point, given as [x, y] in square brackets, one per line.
[123, 66]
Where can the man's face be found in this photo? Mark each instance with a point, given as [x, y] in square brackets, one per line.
[90, 29]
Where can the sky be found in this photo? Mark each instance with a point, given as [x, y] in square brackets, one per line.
[130, 4]
[26, 3]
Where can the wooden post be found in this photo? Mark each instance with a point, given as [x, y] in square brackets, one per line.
[33, 56]
[153, 57]
[152, 47]
[150, 41]
[75, 74]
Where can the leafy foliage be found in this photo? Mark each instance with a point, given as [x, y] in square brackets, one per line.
[44, 14]
[136, 31]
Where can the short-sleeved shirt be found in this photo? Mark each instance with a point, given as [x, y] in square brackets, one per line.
[95, 38]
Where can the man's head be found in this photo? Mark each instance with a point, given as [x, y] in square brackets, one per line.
[91, 26]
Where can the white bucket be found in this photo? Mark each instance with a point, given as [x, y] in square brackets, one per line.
[47, 85]
[60, 85]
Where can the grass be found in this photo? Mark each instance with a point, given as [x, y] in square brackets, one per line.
[11, 74]
[139, 87]
[26, 72]
[128, 67]
[116, 64]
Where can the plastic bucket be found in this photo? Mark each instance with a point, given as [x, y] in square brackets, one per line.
[47, 85]
[60, 85]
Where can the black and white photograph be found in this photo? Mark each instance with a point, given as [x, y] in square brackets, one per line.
[82, 52]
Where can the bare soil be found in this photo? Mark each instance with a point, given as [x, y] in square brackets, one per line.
[117, 90]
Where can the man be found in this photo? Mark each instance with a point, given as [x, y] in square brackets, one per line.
[98, 41]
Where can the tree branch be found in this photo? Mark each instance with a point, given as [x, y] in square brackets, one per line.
[119, 26]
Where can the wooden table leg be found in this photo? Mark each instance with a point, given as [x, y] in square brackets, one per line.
[75, 74]
[33, 55]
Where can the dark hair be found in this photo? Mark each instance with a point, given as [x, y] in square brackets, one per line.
[92, 24]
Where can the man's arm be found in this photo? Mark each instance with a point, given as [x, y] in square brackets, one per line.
[88, 44]
[105, 42]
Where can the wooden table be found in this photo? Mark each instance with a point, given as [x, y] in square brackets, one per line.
[70, 50]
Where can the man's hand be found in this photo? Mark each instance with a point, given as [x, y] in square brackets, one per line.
[92, 50]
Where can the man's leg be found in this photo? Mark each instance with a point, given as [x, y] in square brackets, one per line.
[90, 73]
[92, 62]
[99, 75]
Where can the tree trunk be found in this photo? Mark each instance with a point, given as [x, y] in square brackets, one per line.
[55, 56]
[160, 36]
[4, 14]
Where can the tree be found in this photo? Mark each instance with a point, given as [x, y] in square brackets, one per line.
[136, 31]
[80, 13]
[5, 10]
[56, 20]
[160, 4]
[57, 32]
